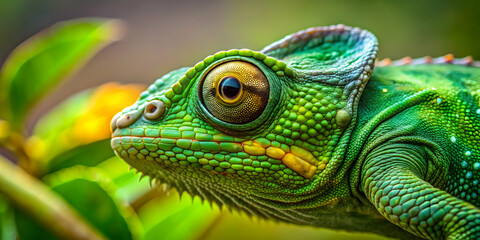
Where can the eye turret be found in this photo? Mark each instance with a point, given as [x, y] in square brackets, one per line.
[235, 92]
[154, 110]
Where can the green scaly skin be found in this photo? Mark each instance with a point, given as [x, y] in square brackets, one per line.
[337, 145]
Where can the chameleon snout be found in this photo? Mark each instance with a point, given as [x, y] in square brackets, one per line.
[152, 111]
[123, 120]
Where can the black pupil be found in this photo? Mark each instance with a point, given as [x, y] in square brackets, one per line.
[230, 87]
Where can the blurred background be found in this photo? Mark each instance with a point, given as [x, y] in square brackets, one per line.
[164, 35]
[168, 34]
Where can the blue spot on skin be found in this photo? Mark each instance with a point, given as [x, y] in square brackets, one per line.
[474, 195]
[469, 175]
[476, 166]
[468, 153]
[462, 181]
[464, 164]
[475, 182]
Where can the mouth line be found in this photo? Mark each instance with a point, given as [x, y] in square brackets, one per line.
[217, 150]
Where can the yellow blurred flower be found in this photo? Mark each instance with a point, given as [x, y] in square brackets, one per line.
[4, 129]
[106, 101]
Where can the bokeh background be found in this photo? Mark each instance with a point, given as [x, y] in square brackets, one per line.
[165, 35]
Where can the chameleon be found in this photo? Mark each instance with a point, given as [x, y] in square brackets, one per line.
[306, 132]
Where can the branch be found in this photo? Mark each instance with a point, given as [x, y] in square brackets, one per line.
[36, 199]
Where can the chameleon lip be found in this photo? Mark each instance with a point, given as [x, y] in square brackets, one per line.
[295, 158]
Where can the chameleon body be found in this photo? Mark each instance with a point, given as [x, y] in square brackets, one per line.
[305, 131]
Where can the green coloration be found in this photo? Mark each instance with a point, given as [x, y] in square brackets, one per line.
[169, 218]
[77, 155]
[22, 189]
[7, 226]
[90, 199]
[33, 69]
[337, 145]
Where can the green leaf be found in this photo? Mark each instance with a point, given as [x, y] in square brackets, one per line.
[45, 59]
[95, 205]
[28, 229]
[62, 117]
[7, 225]
[74, 132]
[86, 155]
[90, 192]
[38, 201]
[130, 185]
[174, 219]
[52, 133]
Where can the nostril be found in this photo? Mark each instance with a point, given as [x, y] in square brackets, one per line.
[127, 119]
[154, 110]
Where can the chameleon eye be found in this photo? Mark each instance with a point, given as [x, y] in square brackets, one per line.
[235, 92]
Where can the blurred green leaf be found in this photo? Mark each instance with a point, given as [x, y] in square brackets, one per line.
[93, 202]
[173, 219]
[28, 229]
[7, 225]
[40, 203]
[237, 226]
[130, 185]
[41, 62]
[86, 155]
[90, 192]
[51, 127]
[77, 130]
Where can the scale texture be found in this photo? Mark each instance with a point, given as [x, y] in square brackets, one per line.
[306, 131]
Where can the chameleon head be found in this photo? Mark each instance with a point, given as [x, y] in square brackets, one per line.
[252, 129]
